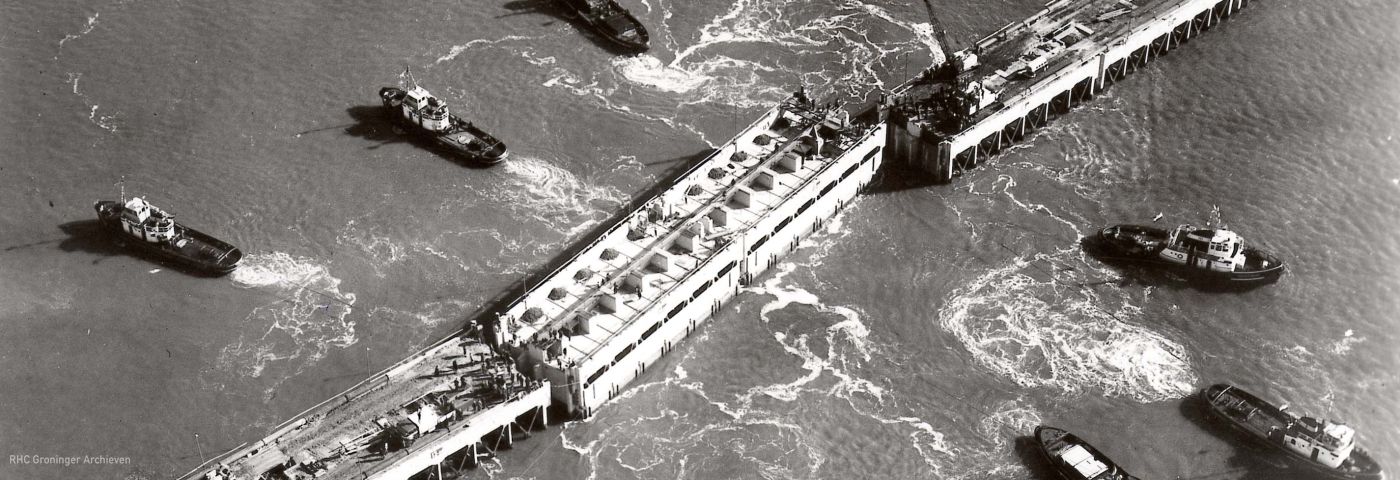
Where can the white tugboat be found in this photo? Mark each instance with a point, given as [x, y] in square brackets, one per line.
[1209, 254]
[425, 115]
[155, 231]
[1318, 445]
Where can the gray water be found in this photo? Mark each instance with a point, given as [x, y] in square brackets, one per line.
[923, 335]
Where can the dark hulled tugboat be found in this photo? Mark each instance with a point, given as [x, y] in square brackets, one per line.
[156, 232]
[1317, 445]
[1210, 254]
[425, 115]
[1075, 459]
[612, 21]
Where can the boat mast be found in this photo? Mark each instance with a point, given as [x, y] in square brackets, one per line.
[407, 71]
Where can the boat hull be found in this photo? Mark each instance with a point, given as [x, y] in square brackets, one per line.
[1050, 439]
[1254, 418]
[1138, 244]
[464, 141]
[611, 26]
[190, 250]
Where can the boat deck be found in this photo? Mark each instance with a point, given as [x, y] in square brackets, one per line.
[466, 135]
[197, 245]
[1247, 412]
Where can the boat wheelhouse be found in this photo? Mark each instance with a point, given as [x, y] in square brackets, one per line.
[142, 220]
[1213, 254]
[429, 116]
[159, 234]
[1319, 445]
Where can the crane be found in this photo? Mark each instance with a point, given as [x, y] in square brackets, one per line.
[951, 98]
[939, 34]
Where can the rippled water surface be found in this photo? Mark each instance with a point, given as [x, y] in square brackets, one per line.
[923, 334]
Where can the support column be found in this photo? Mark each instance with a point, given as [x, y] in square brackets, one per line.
[945, 160]
[1097, 85]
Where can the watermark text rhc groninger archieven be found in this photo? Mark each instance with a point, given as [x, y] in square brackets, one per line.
[68, 461]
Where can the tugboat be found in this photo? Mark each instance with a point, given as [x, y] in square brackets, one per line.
[424, 114]
[1209, 254]
[1320, 446]
[1075, 459]
[157, 232]
[612, 21]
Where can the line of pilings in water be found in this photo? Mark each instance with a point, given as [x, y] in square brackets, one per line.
[948, 157]
[467, 458]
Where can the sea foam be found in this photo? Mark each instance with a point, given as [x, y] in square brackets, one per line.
[1039, 334]
[310, 317]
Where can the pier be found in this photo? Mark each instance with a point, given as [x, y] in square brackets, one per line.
[441, 407]
[1016, 79]
[574, 339]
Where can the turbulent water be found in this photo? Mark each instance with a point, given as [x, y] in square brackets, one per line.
[922, 335]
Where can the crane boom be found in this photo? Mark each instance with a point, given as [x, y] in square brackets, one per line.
[939, 33]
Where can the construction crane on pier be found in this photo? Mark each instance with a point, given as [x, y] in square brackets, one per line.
[949, 73]
[939, 34]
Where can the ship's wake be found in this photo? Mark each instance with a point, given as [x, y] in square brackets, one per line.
[544, 192]
[768, 429]
[106, 122]
[458, 50]
[1042, 333]
[835, 372]
[87, 28]
[748, 57]
[294, 331]
[543, 205]
[1091, 165]
[385, 249]
[684, 439]
[745, 58]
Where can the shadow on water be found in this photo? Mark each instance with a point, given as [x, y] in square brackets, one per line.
[895, 175]
[370, 123]
[898, 177]
[556, 9]
[89, 236]
[1030, 456]
[23, 246]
